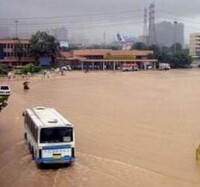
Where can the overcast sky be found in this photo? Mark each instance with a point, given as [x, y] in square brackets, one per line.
[91, 18]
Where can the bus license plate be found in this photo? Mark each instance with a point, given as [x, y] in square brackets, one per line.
[56, 156]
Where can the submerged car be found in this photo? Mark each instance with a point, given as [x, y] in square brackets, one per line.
[164, 66]
[4, 90]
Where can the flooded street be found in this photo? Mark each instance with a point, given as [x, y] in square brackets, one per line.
[136, 129]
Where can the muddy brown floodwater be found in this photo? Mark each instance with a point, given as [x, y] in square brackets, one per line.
[137, 129]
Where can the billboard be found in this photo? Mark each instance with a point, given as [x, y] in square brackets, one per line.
[64, 44]
[124, 38]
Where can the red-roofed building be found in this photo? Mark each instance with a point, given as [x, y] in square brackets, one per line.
[107, 59]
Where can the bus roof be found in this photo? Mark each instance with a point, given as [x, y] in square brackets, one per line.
[47, 117]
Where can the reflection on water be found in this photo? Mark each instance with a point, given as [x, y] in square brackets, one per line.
[53, 166]
[132, 129]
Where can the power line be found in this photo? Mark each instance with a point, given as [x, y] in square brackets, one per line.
[74, 16]
[16, 22]
[94, 25]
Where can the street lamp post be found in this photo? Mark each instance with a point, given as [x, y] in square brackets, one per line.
[16, 24]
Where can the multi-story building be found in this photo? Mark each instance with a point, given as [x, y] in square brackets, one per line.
[194, 48]
[9, 54]
[168, 33]
[79, 59]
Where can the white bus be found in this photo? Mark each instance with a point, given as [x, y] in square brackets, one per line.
[49, 136]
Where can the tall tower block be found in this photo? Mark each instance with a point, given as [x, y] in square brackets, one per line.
[152, 28]
[145, 27]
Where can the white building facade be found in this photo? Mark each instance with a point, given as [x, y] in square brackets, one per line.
[194, 48]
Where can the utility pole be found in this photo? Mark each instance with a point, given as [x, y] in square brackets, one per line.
[104, 38]
[16, 24]
[145, 27]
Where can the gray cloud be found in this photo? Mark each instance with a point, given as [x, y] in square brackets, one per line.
[26, 8]
[112, 15]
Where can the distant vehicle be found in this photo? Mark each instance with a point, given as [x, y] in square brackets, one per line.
[49, 136]
[135, 68]
[164, 66]
[129, 67]
[69, 68]
[149, 67]
[4, 90]
[66, 68]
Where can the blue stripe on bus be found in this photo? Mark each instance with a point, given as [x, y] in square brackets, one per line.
[56, 147]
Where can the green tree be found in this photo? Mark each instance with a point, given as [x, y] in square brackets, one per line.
[178, 58]
[44, 45]
[139, 46]
[3, 69]
[176, 47]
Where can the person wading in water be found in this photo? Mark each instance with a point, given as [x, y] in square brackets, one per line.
[26, 86]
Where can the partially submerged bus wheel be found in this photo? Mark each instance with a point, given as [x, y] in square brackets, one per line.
[198, 153]
[29, 147]
[32, 153]
[25, 136]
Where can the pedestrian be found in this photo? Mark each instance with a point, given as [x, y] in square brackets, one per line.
[25, 84]
[9, 75]
[29, 74]
[23, 75]
[48, 74]
[62, 71]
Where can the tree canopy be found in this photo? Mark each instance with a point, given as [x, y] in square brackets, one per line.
[139, 46]
[175, 55]
[44, 45]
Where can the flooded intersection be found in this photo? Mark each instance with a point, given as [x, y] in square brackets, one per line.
[132, 129]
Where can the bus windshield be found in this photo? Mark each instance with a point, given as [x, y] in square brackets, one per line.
[56, 135]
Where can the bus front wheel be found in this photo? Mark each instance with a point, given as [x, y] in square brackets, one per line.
[25, 136]
[197, 154]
